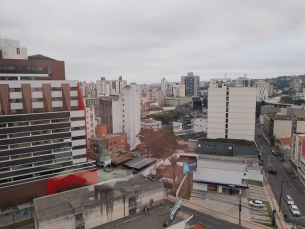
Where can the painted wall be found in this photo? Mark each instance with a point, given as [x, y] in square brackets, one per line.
[89, 176]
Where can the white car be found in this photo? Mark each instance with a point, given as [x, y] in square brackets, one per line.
[289, 200]
[256, 203]
[294, 209]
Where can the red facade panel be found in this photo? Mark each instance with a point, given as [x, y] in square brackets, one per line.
[27, 98]
[47, 97]
[20, 191]
[5, 100]
[66, 99]
[53, 183]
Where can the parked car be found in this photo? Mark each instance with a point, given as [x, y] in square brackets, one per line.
[271, 171]
[258, 135]
[274, 153]
[294, 209]
[289, 200]
[256, 203]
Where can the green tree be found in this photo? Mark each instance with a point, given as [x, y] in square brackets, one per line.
[160, 143]
[174, 160]
[258, 109]
[286, 99]
[205, 102]
[30, 199]
[15, 209]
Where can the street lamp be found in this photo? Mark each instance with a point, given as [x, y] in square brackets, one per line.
[282, 182]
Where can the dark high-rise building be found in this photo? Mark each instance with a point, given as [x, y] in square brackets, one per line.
[191, 83]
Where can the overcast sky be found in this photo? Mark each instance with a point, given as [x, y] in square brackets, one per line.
[146, 40]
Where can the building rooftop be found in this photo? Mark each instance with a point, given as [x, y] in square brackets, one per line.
[240, 142]
[280, 117]
[302, 136]
[222, 164]
[39, 57]
[287, 141]
[63, 203]
[192, 136]
[150, 220]
[149, 120]
[109, 136]
[139, 163]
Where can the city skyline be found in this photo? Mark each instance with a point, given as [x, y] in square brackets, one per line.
[145, 42]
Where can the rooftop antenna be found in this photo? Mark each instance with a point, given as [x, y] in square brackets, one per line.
[225, 75]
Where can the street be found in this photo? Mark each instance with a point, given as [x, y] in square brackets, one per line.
[290, 188]
[208, 221]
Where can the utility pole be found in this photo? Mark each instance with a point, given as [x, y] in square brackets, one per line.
[282, 182]
[240, 207]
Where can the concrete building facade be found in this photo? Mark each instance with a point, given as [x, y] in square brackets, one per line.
[122, 113]
[298, 155]
[231, 112]
[91, 124]
[96, 205]
[191, 83]
[178, 90]
[200, 125]
[262, 90]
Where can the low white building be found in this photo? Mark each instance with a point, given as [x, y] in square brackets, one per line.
[222, 176]
[177, 126]
[200, 125]
[151, 124]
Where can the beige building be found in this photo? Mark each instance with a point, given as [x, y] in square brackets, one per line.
[178, 90]
[282, 126]
[231, 111]
[98, 204]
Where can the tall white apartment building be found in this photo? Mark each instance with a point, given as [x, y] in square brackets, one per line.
[262, 89]
[90, 119]
[110, 87]
[164, 85]
[121, 113]
[231, 111]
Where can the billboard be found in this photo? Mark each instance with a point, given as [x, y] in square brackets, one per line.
[189, 166]
[175, 208]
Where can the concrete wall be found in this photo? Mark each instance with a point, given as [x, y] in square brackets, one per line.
[219, 175]
[244, 151]
[98, 214]
[239, 110]
[200, 125]
[255, 175]
[300, 126]
[282, 128]
[215, 148]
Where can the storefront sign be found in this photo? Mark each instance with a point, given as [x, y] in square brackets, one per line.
[213, 188]
[189, 166]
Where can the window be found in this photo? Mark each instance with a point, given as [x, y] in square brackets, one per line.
[132, 211]
[49, 70]
[79, 216]
[81, 226]
[132, 200]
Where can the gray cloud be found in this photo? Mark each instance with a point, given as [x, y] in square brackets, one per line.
[145, 41]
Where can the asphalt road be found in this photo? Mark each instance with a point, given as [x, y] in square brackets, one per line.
[290, 188]
[208, 221]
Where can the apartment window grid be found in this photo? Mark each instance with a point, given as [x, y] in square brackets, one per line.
[227, 112]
